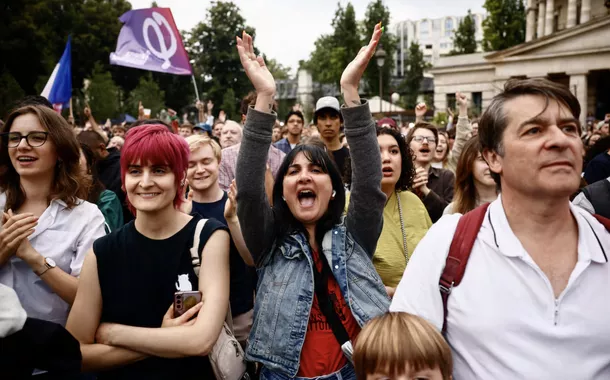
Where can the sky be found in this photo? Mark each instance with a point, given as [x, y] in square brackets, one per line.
[287, 29]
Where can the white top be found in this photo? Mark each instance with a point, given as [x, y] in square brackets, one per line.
[503, 319]
[63, 234]
[12, 315]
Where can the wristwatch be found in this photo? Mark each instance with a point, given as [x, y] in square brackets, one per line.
[49, 263]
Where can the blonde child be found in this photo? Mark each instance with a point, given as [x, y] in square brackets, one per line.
[401, 346]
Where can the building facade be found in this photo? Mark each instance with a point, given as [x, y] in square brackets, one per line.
[435, 37]
[569, 45]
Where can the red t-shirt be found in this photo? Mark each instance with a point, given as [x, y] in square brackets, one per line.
[322, 354]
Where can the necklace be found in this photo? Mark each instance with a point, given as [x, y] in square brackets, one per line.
[402, 227]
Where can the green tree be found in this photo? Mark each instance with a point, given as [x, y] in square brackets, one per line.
[34, 34]
[149, 93]
[102, 93]
[10, 92]
[377, 12]
[229, 105]
[333, 52]
[414, 73]
[212, 46]
[278, 70]
[464, 40]
[504, 26]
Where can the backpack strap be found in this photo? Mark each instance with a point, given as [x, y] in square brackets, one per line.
[196, 260]
[603, 220]
[465, 235]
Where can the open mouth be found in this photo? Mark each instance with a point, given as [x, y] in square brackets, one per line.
[387, 171]
[306, 198]
[424, 150]
[26, 159]
[148, 195]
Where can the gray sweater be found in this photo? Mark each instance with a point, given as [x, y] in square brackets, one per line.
[364, 218]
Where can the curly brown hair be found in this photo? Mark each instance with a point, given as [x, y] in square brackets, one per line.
[69, 183]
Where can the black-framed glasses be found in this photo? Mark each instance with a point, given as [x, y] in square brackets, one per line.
[430, 140]
[34, 139]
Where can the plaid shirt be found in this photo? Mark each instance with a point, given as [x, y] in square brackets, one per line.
[226, 172]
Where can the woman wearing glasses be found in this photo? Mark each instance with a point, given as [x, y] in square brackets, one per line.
[433, 185]
[46, 227]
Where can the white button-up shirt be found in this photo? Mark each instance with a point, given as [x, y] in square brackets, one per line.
[64, 235]
[503, 320]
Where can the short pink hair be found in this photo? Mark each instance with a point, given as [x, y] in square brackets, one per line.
[152, 144]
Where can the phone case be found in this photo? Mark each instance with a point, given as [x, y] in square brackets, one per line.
[185, 300]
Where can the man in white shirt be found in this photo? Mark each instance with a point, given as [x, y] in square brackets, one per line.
[534, 300]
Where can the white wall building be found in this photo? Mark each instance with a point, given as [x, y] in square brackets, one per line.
[435, 36]
[567, 41]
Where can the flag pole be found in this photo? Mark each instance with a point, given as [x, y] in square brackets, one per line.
[195, 85]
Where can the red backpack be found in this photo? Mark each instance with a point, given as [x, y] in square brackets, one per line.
[463, 240]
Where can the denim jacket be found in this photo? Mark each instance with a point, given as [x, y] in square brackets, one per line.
[286, 291]
[285, 288]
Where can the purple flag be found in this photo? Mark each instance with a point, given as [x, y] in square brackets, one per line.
[149, 40]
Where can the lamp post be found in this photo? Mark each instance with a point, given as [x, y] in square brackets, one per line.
[395, 98]
[380, 57]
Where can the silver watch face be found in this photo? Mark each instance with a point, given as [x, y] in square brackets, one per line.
[50, 262]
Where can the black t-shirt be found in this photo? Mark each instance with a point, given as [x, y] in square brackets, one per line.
[341, 157]
[138, 278]
[242, 277]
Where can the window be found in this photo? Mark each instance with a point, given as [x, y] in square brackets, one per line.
[477, 102]
[436, 25]
[428, 46]
[450, 101]
[423, 28]
[428, 58]
[448, 27]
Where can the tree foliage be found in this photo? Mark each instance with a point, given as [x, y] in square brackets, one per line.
[464, 40]
[102, 94]
[414, 73]
[212, 47]
[149, 93]
[278, 70]
[504, 26]
[10, 92]
[333, 52]
[377, 12]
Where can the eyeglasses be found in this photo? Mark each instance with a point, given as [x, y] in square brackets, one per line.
[34, 139]
[430, 140]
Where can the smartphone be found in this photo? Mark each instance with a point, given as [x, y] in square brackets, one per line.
[185, 300]
[147, 112]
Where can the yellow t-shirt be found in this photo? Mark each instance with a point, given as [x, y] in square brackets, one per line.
[389, 258]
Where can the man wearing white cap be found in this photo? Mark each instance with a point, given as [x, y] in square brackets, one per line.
[328, 120]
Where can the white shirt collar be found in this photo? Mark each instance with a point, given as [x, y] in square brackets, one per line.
[593, 239]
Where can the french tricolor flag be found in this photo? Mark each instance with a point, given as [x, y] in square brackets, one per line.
[58, 89]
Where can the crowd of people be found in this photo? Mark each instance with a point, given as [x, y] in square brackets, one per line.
[345, 249]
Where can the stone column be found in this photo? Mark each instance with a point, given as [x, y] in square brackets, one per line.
[531, 21]
[571, 13]
[585, 11]
[541, 17]
[578, 86]
[550, 17]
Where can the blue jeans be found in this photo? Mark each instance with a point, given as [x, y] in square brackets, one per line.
[345, 373]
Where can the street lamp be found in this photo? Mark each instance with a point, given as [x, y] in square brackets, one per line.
[395, 98]
[380, 57]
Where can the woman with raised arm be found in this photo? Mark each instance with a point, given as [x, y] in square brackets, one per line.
[474, 185]
[123, 315]
[317, 285]
[47, 227]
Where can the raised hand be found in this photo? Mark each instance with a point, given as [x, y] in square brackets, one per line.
[222, 116]
[350, 79]
[231, 204]
[255, 67]
[187, 202]
[462, 102]
[87, 112]
[199, 105]
[421, 109]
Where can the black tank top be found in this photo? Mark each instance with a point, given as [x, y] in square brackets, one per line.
[138, 278]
